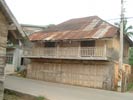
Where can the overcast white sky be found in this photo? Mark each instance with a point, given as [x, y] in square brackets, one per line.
[44, 12]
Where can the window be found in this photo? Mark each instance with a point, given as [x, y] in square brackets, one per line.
[88, 43]
[1, 70]
[9, 58]
[49, 44]
[22, 61]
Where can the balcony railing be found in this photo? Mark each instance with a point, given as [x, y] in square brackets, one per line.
[68, 52]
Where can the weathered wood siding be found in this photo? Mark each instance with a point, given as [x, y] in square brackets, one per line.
[99, 74]
[69, 49]
[3, 41]
[126, 52]
[117, 78]
[116, 49]
[84, 73]
[69, 44]
[100, 43]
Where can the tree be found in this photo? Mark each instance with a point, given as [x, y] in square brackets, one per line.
[127, 29]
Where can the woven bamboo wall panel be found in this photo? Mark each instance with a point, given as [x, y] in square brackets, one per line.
[90, 75]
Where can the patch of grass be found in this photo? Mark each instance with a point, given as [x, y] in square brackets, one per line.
[130, 87]
[22, 73]
[40, 98]
[9, 92]
[12, 95]
[9, 95]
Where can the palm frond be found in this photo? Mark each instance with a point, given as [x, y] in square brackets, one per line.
[129, 27]
[129, 33]
[126, 28]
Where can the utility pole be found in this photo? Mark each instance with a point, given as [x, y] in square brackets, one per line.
[121, 45]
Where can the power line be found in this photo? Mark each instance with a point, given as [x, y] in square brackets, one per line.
[119, 18]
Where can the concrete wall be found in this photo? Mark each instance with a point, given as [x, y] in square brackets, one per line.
[17, 54]
[17, 58]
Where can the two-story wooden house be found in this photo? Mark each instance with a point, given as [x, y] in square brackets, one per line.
[10, 30]
[82, 51]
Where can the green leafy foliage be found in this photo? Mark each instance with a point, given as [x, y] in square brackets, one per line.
[40, 98]
[130, 87]
[131, 55]
[127, 28]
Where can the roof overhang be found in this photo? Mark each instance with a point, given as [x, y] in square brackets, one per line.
[10, 18]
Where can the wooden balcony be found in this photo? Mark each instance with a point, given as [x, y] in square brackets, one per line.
[92, 53]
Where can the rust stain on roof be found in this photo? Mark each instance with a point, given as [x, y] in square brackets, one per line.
[81, 28]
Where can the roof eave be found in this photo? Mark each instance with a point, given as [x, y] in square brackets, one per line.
[105, 38]
[11, 17]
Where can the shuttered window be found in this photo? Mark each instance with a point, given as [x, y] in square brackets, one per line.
[88, 43]
[49, 44]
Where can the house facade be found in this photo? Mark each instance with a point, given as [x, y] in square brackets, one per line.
[82, 51]
[13, 60]
[9, 30]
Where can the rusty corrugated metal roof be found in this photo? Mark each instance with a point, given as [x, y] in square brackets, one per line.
[81, 28]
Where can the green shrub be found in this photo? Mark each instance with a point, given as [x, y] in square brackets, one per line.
[40, 98]
[130, 86]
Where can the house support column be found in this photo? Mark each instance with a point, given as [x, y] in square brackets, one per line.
[105, 49]
[79, 51]
[57, 50]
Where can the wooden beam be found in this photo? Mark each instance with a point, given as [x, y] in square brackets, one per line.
[14, 34]
[12, 27]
